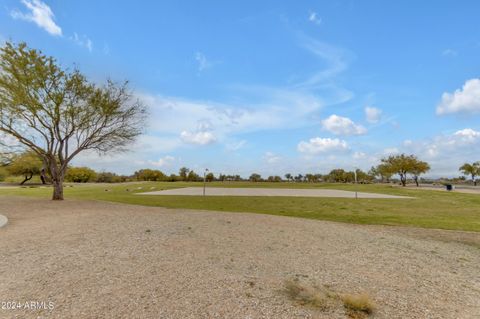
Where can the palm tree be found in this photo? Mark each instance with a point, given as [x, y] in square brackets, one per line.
[471, 170]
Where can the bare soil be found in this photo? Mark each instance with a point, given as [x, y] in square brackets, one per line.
[104, 260]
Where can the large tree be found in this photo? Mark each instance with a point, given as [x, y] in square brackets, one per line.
[26, 164]
[381, 171]
[149, 175]
[471, 170]
[419, 167]
[183, 173]
[255, 178]
[57, 113]
[338, 175]
[404, 164]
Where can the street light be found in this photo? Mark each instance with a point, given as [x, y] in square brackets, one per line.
[355, 173]
[204, 180]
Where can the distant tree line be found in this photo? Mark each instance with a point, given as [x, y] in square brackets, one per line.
[394, 168]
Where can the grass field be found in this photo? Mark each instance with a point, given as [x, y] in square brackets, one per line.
[428, 209]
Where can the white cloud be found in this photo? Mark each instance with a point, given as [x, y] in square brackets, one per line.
[373, 114]
[145, 148]
[83, 41]
[391, 151]
[336, 61]
[164, 161]
[359, 155]
[467, 135]
[319, 145]
[445, 146]
[342, 126]
[448, 146]
[407, 143]
[199, 137]
[445, 152]
[464, 100]
[271, 158]
[40, 14]
[174, 121]
[280, 109]
[235, 146]
[314, 18]
[106, 49]
[202, 61]
[449, 53]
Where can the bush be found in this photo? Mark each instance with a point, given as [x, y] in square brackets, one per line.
[151, 175]
[359, 302]
[306, 295]
[275, 179]
[80, 175]
[193, 177]
[108, 177]
[3, 174]
[210, 177]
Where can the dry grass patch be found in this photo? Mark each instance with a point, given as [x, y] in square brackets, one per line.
[306, 295]
[322, 298]
[358, 303]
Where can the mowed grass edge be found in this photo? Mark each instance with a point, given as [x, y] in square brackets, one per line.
[428, 209]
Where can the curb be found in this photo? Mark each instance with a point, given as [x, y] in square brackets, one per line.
[3, 221]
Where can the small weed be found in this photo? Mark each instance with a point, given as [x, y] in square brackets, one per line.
[148, 231]
[306, 295]
[361, 303]
[357, 306]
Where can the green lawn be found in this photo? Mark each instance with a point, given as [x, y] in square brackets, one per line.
[429, 209]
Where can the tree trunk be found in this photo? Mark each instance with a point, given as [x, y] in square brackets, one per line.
[415, 178]
[403, 179]
[43, 176]
[27, 178]
[57, 175]
[57, 190]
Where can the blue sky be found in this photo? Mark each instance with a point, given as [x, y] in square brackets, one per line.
[275, 87]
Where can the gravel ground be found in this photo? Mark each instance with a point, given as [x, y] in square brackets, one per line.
[103, 260]
[221, 191]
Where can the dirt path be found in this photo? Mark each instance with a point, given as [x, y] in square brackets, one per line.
[103, 260]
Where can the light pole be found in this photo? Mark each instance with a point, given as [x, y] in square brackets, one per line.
[355, 173]
[204, 180]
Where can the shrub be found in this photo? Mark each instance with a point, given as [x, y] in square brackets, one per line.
[108, 177]
[193, 177]
[80, 175]
[149, 175]
[3, 174]
[306, 295]
[359, 302]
